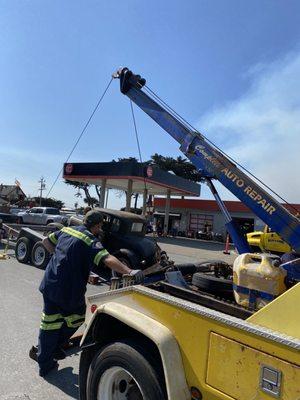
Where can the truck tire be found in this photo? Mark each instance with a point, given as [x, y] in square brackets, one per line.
[122, 370]
[23, 250]
[211, 284]
[39, 256]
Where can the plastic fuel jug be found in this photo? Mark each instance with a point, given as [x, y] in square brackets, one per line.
[257, 280]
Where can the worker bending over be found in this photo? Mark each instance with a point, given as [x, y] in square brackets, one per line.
[77, 251]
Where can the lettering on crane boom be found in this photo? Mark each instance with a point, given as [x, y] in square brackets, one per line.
[239, 182]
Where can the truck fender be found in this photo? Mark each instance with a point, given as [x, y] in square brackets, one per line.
[160, 335]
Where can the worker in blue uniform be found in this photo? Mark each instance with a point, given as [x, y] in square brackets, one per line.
[77, 251]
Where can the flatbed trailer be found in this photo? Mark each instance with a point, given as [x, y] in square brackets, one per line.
[27, 242]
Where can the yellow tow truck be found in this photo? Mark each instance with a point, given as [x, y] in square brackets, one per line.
[218, 333]
[151, 343]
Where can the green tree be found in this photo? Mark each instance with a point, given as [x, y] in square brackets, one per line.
[49, 202]
[91, 201]
[180, 166]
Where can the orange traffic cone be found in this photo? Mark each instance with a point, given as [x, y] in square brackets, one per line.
[226, 251]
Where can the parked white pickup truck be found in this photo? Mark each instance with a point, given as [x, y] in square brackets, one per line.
[41, 216]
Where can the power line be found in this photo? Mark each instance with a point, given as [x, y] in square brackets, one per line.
[81, 134]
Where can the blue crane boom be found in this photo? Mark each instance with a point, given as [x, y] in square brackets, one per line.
[214, 165]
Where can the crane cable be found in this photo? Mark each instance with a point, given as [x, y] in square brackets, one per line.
[189, 126]
[81, 134]
[137, 140]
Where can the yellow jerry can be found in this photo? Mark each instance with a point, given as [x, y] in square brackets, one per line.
[257, 280]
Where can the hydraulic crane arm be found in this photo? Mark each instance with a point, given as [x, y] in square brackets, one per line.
[211, 162]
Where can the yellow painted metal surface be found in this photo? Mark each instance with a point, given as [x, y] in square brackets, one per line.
[239, 376]
[282, 314]
[192, 332]
[268, 241]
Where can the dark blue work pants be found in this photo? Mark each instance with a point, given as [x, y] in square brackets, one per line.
[57, 326]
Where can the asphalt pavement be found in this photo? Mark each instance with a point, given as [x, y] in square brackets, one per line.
[20, 313]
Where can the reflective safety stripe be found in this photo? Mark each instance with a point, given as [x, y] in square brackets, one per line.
[74, 320]
[52, 322]
[78, 235]
[51, 317]
[51, 326]
[77, 324]
[99, 255]
[52, 238]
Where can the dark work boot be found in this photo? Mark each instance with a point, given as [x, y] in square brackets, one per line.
[33, 353]
[59, 354]
[44, 371]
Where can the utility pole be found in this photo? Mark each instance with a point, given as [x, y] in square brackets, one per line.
[42, 187]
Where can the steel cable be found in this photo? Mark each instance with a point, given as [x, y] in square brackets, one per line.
[137, 140]
[81, 134]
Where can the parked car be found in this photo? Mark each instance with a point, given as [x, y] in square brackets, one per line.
[16, 210]
[9, 218]
[41, 216]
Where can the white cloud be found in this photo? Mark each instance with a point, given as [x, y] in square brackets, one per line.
[261, 130]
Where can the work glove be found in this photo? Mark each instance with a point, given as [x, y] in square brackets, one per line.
[138, 275]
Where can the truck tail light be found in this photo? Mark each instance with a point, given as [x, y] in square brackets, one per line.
[93, 308]
[195, 393]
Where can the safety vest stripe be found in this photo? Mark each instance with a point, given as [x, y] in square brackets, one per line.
[51, 317]
[52, 238]
[78, 235]
[51, 326]
[99, 255]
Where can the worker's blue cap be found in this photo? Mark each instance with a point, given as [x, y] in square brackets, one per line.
[92, 218]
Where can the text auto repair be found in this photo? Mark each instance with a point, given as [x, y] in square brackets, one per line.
[238, 181]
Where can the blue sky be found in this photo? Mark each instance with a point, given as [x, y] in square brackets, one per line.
[229, 67]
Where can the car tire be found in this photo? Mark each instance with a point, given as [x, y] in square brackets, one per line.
[20, 220]
[23, 250]
[124, 367]
[39, 255]
[213, 285]
[49, 222]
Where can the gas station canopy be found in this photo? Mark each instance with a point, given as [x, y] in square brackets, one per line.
[117, 175]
